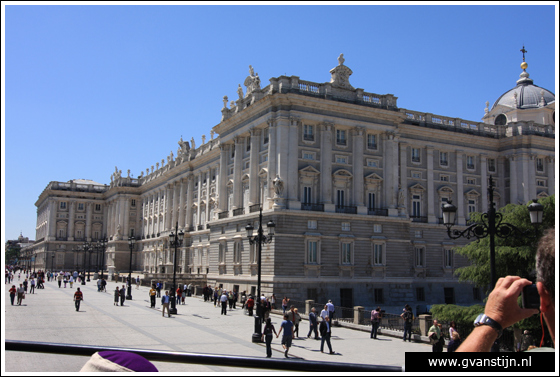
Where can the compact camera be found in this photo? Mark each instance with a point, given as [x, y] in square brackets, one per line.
[530, 297]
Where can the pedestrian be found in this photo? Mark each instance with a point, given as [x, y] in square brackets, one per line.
[183, 295]
[324, 312]
[267, 335]
[165, 304]
[153, 296]
[71, 281]
[224, 301]
[454, 337]
[117, 296]
[122, 294]
[13, 292]
[98, 285]
[288, 328]
[230, 300]
[325, 330]
[250, 305]
[78, 297]
[313, 323]
[434, 333]
[20, 293]
[273, 301]
[158, 288]
[375, 318]
[243, 299]
[25, 283]
[235, 297]
[526, 341]
[32, 286]
[103, 285]
[189, 289]
[441, 342]
[407, 317]
[330, 307]
[294, 316]
[138, 282]
[179, 293]
[215, 296]
[59, 278]
[65, 281]
[285, 301]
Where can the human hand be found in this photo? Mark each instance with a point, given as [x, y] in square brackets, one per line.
[502, 304]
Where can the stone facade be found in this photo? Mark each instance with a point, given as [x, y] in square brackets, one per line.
[354, 184]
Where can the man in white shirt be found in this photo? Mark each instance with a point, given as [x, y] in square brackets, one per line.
[224, 301]
[330, 307]
[325, 312]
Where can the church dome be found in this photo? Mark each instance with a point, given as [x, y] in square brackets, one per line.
[525, 95]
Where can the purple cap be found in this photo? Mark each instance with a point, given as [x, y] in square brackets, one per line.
[129, 360]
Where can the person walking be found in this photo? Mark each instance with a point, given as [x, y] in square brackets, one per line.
[330, 307]
[267, 335]
[138, 282]
[13, 292]
[295, 318]
[434, 333]
[250, 305]
[59, 278]
[32, 286]
[288, 328]
[179, 293]
[153, 296]
[78, 297]
[224, 302]
[117, 294]
[183, 294]
[313, 323]
[407, 317]
[325, 330]
[122, 294]
[103, 285]
[25, 283]
[165, 300]
[20, 293]
[285, 304]
[158, 288]
[375, 318]
[71, 281]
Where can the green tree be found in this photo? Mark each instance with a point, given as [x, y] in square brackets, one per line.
[11, 251]
[515, 255]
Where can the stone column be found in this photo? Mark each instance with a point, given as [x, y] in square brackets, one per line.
[460, 189]
[291, 180]
[88, 221]
[168, 209]
[530, 169]
[430, 183]
[254, 167]
[208, 183]
[222, 179]
[53, 208]
[513, 180]
[484, 182]
[358, 167]
[124, 215]
[237, 171]
[190, 191]
[551, 175]
[282, 150]
[272, 157]
[71, 214]
[174, 209]
[182, 203]
[326, 167]
[404, 178]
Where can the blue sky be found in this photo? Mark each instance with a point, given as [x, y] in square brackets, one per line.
[88, 88]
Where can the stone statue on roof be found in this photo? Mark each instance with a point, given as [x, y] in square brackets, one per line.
[252, 82]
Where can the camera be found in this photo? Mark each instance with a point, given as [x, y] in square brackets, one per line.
[530, 297]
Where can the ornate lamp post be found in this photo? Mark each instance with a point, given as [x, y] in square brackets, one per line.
[131, 242]
[52, 264]
[490, 226]
[102, 244]
[259, 239]
[175, 240]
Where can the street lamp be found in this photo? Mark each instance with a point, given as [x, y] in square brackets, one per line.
[87, 247]
[102, 244]
[491, 225]
[259, 239]
[52, 264]
[175, 239]
[131, 242]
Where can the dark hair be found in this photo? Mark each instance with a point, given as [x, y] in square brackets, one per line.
[452, 324]
[546, 261]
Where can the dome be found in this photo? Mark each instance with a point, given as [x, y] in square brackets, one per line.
[525, 95]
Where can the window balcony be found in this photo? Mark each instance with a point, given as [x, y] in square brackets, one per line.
[254, 208]
[378, 212]
[312, 207]
[346, 209]
[419, 219]
[223, 215]
[238, 211]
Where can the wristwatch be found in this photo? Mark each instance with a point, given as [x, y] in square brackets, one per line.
[483, 319]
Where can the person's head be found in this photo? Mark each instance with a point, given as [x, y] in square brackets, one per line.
[313, 310]
[286, 316]
[545, 265]
[325, 307]
[295, 310]
[78, 288]
[435, 322]
[166, 292]
[327, 318]
[452, 324]
[378, 308]
[268, 321]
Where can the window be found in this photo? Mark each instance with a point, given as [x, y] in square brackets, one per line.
[416, 175]
[80, 206]
[346, 253]
[371, 200]
[419, 256]
[341, 159]
[265, 136]
[312, 252]
[222, 253]
[248, 144]
[340, 137]
[98, 207]
[372, 141]
[247, 164]
[346, 226]
[541, 183]
[417, 234]
[237, 253]
[133, 202]
[420, 294]
[444, 178]
[471, 206]
[443, 159]
[448, 258]
[449, 295]
[62, 205]
[311, 224]
[308, 155]
[372, 163]
[416, 206]
[377, 228]
[470, 162]
[306, 195]
[476, 294]
[415, 155]
[264, 158]
[378, 254]
[540, 165]
[471, 181]
[491, 165]
[340, 198]
[378, 295]
[308, 134]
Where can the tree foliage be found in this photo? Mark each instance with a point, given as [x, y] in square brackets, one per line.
[515, 255]
[463, 316]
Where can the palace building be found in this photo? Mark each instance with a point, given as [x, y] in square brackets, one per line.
[354, 184]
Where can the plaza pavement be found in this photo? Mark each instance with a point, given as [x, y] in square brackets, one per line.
[50, 316]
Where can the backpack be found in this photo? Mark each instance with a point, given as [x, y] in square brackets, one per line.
[407, 316]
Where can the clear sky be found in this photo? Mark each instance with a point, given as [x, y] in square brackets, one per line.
[90, 87]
